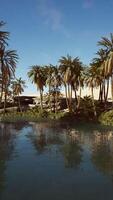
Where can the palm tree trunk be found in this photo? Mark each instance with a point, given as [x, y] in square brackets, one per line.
[106, 97]
[104, 90]
[69, 97]
[1, 96]
[65, 86]
[2, 64]
[41, 99]
[56, 102]
[5, 99]
[112, 89]
[95, 113]
[50, 97]
[100, 93]
[19, 104]
[79, 98]
[76, 101]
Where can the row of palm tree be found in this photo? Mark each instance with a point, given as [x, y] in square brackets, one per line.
[68, 75]
[71, 75]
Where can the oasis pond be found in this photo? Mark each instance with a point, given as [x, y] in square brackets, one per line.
[44, 161]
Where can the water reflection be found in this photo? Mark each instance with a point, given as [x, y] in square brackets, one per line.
[44, 137]
[68, 142]
[8, 135]
[102, 152]
[55, 159]
[72, 149]
[6, 149]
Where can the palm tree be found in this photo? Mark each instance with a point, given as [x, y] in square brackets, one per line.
[4, 35]
[81, 78]
[8, 60]
[49, 71]
[77, 79]
[66, 74]
[18, 87]
[107, 44]
[38, 77]
[92, 81]
[70, 69]
[55, 86]
[99, 68]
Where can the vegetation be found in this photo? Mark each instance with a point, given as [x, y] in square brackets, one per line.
[8, 63]
[33, 115]
[70, 75]
[18, 87]
[106, 118]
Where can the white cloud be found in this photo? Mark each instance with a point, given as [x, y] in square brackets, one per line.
[88, 4]
[52, 16]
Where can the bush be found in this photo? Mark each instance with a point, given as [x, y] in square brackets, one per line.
[30, 115]
[106, 118]
[86, 107]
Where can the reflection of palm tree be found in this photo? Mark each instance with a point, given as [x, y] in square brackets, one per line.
[102, 155]
[72, 150]
[40, 143]
[6, 149]
[43, 138]
[38, 138]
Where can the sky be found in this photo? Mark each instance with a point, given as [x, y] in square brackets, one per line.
[44, 30]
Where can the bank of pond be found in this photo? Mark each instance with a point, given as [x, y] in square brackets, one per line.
[37, 115]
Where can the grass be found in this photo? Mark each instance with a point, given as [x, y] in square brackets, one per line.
[30, 115]
[83, 114]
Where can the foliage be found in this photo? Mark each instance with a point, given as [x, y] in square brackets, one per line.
[106, 118]
[70, 75]
[86, 108]
[35, 114]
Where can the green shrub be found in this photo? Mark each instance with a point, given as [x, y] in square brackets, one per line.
[86, 107]
[106, 118]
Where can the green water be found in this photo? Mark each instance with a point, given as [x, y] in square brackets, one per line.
[40, 161]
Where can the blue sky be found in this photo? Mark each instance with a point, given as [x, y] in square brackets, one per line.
[44, 30]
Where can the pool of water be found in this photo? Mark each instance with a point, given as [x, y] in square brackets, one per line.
[41, 161]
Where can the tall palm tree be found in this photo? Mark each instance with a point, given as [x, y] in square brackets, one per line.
[91, 82]
[38, 77]
[70, 69]
[77, 79]
[55, 86]
[8, 60]
[109, 70]
[107, 44]
[49, 71]
[18, 87]
[66, 74]
[4, 35]
[99, 66]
